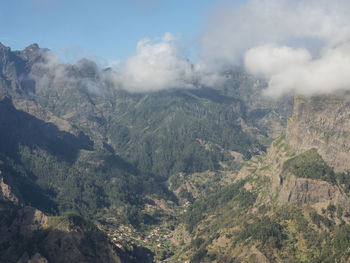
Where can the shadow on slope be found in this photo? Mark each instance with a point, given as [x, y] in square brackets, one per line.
[213, 95]
[28, 235]
[18, 128]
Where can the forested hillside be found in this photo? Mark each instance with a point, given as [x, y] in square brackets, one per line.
[70, 141]
[95, 148]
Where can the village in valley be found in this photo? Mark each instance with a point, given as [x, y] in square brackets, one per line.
[125, 237]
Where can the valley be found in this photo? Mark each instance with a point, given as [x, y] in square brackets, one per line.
[179, 175]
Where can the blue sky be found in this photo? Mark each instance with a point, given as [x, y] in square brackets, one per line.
[107, 29]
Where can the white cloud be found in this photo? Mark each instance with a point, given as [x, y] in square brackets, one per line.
[234, 29]
[156, 66]
[326, 74]
[298, 45]
[268, 60]
[206, 75]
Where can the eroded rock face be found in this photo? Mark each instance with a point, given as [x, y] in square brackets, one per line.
[283, 187]
[323, 123]
[300, 191]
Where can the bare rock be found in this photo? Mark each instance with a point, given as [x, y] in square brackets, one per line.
[323, 123]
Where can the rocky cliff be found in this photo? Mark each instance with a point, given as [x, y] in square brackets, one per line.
[322, 122]
[316, 141]
[295, 206]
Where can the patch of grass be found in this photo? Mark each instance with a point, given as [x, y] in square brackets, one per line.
[310, 165]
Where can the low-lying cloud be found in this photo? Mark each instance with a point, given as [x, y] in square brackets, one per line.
[82, 74]
[295, 70]
[156, 66]
[159, 65]
[298, 45]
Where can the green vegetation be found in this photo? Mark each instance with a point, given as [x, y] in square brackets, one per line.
[279, 140]
[178, 131]
[203, 207]
[286, 234]
[310, 165]
[123, 148]
[127, 146]
[98, 180]
[268, 232]
[68, 237]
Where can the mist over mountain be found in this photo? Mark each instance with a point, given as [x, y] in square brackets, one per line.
[296, 46]
[236, 154]
[185, 165]
[73, 140]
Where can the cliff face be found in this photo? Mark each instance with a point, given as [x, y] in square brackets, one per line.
[322, 123]
[319, 125]
[278, 186]
[299, 209]
[8, 191]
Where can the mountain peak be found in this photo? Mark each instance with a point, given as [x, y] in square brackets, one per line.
[32, 47]
[32, 53]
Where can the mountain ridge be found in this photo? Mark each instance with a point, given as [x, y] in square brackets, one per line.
[136, 159]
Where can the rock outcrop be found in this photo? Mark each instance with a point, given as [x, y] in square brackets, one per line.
[323, 123]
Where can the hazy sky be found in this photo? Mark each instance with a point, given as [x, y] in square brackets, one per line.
[104, 28]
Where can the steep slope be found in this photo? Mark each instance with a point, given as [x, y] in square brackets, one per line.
[288, 205]
[45, 161]
[28, 235]
[153, 135]
[322, 122]
[71, 140]
[138, 126]
[15, 68]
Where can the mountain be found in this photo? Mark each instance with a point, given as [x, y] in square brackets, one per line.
[27, 235]
[72, 142]
[148, 136]
[290, 204]
[181, 175]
